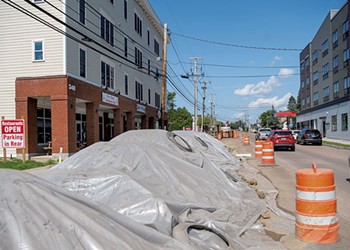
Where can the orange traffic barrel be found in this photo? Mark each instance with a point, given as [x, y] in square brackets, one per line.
[316, 206]
[235, 134]
[258, 149]
[219, 135]
[268, 154]
[245, 139]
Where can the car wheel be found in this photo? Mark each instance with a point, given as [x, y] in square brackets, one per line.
[293, 148]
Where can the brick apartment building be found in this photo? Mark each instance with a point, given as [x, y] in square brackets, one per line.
[325, 78]
[79, 71]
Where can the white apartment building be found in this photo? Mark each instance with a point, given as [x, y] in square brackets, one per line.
[325, 78]
[79, 71]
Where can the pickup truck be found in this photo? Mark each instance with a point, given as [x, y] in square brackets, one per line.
[263, 133]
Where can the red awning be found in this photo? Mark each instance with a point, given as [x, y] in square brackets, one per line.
[287, 114]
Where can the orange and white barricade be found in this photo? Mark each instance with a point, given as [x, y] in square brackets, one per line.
[245, 139]
[268, 153]
[258, 149]
[316, 206]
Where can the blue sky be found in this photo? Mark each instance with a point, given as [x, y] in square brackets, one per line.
[243, 82]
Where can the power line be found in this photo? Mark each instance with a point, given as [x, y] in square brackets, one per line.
[240, 66]
[235, 45]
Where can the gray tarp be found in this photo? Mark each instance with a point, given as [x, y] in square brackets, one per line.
[182, 186]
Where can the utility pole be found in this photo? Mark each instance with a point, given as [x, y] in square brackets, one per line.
[195, 75]
[211, 111]
[164, 75]
[204, 88]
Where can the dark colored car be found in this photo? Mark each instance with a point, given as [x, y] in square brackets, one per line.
[282, 138]
[309, 136]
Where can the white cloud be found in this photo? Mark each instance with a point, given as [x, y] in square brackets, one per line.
[259, 88]
[278, 58]
[268, 102]
[238, 115]
[285, 72]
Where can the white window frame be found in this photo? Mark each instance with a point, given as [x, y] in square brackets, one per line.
[34, 51]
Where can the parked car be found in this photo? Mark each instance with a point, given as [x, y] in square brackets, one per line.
[295, 133]
[263, 133]
[309, 136]
[282, 138]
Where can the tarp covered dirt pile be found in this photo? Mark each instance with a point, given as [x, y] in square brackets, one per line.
[148, 188]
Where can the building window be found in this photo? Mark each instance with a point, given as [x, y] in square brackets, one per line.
[82, 11]
[112, 1]
[315, 77]
[315, 57]
[44, 125]
[303, 102]
[149, 67]
[302, 66]
[138, 57]
[38, 1]
[347, 85]
[345, 29]
[324, 48]
[302, 83]
[157, 100]
[336, 90]
[326, 94]
[315, 97]
[38, 51]
[148, 37]
[308, 100]
[138, 91]
[335, 64]
[126, 9]
[334, 123]
[307, 62]
[149, 96]
[107, 31]
[346, 56]
[325, 71]
[335, 39]
[82, 63]
[156, 47]
[125, 47]
[107, 75]
[126, 84]
[156, 74]
[307, 81]
[344, 122]
[138, 24]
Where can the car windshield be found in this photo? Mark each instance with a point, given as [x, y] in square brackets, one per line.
[314, 132]
[264, 130]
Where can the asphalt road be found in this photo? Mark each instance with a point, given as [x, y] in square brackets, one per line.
[282, 176]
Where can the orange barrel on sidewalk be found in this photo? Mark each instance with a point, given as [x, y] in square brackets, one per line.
[235, 134]
[268, 154]
[246, 140]
[316, 206]
[258, 149]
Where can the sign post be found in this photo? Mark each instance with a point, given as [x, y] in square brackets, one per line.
[12, 135]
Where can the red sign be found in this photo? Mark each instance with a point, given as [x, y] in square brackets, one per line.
[287, 114]
[12, 133]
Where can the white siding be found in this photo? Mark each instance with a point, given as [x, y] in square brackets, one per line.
[17, 33]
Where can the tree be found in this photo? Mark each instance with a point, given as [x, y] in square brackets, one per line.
[171, 101]
[268, 119]
[292, 104]
[179, 118]
[298, 105]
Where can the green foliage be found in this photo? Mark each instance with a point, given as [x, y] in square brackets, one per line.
[269, 120]
[179, 118]
[292, 104]
[18, 164]
[171, 101]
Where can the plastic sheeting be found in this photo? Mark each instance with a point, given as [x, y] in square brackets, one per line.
[182, 187]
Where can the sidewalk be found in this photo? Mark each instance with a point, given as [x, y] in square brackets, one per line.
[346, 142]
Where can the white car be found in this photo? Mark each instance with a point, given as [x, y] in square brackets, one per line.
[263, 133]
[295, 133]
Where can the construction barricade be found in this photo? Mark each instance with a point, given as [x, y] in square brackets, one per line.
[245, 139]
[258, 149]
[316, 206]
[268, 153]
[235, 134]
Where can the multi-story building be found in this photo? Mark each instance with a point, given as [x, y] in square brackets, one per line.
[79, 71]
[325, 78]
